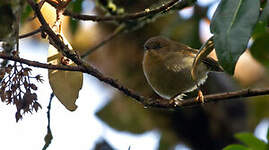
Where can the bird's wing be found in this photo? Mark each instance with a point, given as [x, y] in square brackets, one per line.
[179, 47]
[175, 62]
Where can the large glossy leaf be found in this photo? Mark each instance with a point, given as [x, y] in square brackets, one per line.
[251, 141]
[232, 26]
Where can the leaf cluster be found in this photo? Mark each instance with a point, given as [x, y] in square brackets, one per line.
[18, 89]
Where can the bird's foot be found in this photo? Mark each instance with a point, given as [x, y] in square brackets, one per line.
[177, 100]
[200, 97]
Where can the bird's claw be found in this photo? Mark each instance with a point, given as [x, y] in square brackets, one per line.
[177, 100]
[200, 97]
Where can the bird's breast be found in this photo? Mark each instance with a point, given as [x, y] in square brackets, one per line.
[168, 77]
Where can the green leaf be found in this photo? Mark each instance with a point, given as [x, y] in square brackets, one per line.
[265, 13]
[73, 25]
[76, 7]
[260, 29]
[251, 141]
[235, 147]
[232, 26]
[260, 49]
[26, 13]
[261, 26]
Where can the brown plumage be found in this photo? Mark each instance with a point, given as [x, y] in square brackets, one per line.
[167, 66]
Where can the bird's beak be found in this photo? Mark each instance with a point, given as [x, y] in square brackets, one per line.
[147, 49]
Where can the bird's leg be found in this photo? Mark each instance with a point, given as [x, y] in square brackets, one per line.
[200, 96]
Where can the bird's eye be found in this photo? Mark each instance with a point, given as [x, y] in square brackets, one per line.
[156, 46]
[153, 46]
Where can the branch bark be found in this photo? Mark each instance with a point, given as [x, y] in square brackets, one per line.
[126, 17]
[86, 68]
[148, 102]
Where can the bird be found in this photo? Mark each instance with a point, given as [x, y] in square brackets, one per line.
[173, 69]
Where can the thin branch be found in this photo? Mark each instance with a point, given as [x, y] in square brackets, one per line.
[211, 98]
[57, 43]
[161, 103]
[48, 138]
[40, 65]
[132, 16]
[54, 38]
[115, 33]
[148, 102]
[49, 107]
[122, 27]
[30, 33]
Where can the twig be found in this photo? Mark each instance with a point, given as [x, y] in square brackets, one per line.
[129, 17]
[57, 43]
[161, 103]
[115, 33]
[122, 28]
[30, 33]
[148, 102]
[215, 98]
[132, 16]
[40, 65]
[49, 107]
[48, 138]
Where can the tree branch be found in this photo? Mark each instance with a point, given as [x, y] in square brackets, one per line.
[126, 17]
[30, 33]
[41, 65]
[86, 68]
[148, 102]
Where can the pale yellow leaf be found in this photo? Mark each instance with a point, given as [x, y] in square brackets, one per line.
[65, 84]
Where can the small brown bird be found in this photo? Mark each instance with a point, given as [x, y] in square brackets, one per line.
[168, 67]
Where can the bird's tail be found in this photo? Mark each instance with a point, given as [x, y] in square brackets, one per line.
[212, 64]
